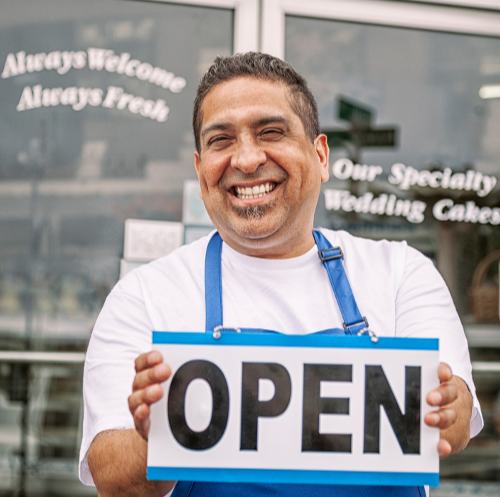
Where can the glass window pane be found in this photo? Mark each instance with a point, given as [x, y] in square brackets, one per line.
[420, 91]
[95, 127]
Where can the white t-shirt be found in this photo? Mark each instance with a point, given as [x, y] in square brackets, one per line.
[396, 288]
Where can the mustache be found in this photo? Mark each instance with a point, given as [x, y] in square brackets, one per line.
[263, 173]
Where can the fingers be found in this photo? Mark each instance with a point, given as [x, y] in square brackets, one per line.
[444, 448]
[443, 395]
[139, 403]
[444, 372]
[156, 374]
[142, 420]
[447, 392]
[146, 396]
[151, 371]
[147, 360]
[442, 419]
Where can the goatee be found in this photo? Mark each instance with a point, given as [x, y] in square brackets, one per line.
[253, 211]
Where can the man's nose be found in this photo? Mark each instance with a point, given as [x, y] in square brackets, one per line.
[248, 156]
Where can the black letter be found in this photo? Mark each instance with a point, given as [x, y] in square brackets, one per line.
[220, 405]
[252, 408]
[406, 426]
[314, 405]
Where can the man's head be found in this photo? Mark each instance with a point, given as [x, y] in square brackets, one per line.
[263, 67]
[260, 162]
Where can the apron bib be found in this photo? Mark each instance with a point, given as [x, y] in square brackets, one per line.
[353, 324]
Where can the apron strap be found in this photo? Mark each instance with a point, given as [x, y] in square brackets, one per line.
[213, 283]
[332, 260]
[331, 257]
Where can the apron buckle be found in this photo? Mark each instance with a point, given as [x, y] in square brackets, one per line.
[326, 258]
[347, 326]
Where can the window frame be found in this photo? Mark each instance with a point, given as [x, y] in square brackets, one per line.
[246, 20]
[444, 18]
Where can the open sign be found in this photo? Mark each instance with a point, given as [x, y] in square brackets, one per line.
[295, 409]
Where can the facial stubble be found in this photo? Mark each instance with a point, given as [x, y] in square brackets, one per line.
[254, 212]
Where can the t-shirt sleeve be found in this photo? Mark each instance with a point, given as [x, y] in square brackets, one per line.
[424, 308]
[122, 332]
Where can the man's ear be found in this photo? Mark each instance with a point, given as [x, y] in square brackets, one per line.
[323, 152]
[197, 167]
[197, 163]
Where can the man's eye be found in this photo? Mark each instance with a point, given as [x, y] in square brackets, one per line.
[217, 140]
[272, 133]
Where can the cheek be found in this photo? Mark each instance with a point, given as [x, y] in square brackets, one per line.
[211, 172]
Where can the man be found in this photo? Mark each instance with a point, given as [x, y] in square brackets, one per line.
[260, 160]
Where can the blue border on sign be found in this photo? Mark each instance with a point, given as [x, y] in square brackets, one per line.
[236, 475]
[281, 340]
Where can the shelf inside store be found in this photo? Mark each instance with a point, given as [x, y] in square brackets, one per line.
[482, 335]
[59, 435]
[479, 457]
[77, 328]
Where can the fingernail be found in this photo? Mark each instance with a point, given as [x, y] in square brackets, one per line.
[433, 419]
[161, 370]
[151, 392]
[153, 358]
[436, 398]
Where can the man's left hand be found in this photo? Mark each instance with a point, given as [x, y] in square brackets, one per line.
[453, 416]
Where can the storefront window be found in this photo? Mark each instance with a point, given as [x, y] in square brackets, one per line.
[412, 118]
[95, 112]
[95, 128]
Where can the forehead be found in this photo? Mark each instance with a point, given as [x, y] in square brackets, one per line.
[245, 96]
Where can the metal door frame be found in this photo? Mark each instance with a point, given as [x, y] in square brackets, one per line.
[475, 17]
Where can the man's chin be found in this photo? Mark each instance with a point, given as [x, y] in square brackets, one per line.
[253, 230]
[253, 212]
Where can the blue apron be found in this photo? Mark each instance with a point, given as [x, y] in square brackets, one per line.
[353, 324]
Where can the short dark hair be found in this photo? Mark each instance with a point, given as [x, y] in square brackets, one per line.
[261, 66]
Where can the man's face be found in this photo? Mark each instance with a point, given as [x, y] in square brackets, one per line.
[259, 172]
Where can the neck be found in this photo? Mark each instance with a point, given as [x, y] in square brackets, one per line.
[293, 246]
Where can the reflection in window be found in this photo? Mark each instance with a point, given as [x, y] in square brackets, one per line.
[444, 162]
[95, 128]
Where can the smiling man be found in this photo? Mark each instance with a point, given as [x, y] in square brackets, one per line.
[260, 160]
[252, 137]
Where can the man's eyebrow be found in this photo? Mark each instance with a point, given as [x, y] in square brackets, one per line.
[271, 120]
[223, 125]
[220, 126]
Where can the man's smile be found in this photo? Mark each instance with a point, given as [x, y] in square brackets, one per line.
[256, 191]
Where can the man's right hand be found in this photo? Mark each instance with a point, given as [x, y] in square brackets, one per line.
[150, 372]
[117, 458]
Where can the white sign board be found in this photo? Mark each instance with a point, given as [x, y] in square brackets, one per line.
[251, 407]
[149, 240]
[193, 208]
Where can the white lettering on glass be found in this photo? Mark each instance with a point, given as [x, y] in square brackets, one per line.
[98, 59]
[78, 98]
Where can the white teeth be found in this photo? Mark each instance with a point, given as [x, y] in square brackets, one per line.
[254, 192]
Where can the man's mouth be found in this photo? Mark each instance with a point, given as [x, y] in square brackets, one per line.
[256, 191]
